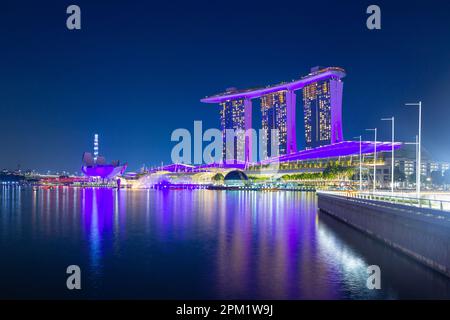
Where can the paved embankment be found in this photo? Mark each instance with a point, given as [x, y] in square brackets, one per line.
[421, 233]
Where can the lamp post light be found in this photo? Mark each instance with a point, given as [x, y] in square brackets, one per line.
[374, 159]
[417, 159]
[360, 163]
[419, 142]
[392, 151]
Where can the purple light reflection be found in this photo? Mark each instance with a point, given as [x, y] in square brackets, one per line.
[98, 217]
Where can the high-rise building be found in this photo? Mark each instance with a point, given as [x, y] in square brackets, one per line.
[322, 108]
[322, 97]
[232, 116]
[274, 121]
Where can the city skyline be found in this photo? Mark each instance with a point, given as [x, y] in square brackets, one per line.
[215, 159]
[122, 86]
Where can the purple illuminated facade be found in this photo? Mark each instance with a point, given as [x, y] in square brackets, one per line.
[331, 112]
[96, 167]
[322, 111]
[107, 171]
[291, 128]
[234, 115]
[278, 113]
[183, 168]
[336, 150]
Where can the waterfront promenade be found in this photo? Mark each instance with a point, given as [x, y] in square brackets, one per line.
[420, 228]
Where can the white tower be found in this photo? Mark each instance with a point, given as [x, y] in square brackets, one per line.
[95, 147]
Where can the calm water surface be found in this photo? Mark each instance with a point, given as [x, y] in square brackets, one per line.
[193, 244]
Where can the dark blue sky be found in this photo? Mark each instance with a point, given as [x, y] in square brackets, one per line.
[137, 70]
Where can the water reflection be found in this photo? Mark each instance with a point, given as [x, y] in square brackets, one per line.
[197, 244]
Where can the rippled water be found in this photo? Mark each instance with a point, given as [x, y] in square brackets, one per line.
[192, 244]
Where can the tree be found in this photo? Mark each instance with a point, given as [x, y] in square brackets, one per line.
[412, 178]
[303, 176]
[447, 177]
[399, 175]
[218, 177]
[337, 171]
[437, 178]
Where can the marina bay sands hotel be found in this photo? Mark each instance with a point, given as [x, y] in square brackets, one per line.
[322, 111]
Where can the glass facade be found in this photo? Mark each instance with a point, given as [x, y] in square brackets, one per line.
[317, 114]
[322, 97]
[274, 121]
[232, 116]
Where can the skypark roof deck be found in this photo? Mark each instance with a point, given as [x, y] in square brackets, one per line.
[319, 75]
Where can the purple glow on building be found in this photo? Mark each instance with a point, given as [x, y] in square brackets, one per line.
[293, 85]
[175, 167]
[237, 165]
[204, 167]
[340, 149]
[291, 127]
[330, 117]
[103, 171]
[248, 127]
[336, 88]
[96, 166]
[336, 150]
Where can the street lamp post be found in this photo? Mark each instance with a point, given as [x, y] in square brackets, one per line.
[392, 151]
[419, 143]
[374, 159]
[417, 154]
[360, 163]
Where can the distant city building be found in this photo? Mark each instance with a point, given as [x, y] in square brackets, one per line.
[408, 166]
[274, 121]
[405, 161]
[322, 104]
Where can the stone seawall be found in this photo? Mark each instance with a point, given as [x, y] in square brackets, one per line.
[421, 233]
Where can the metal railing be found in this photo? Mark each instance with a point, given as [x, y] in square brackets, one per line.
[441, 205]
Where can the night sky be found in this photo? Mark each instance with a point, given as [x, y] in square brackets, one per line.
[138, 69]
